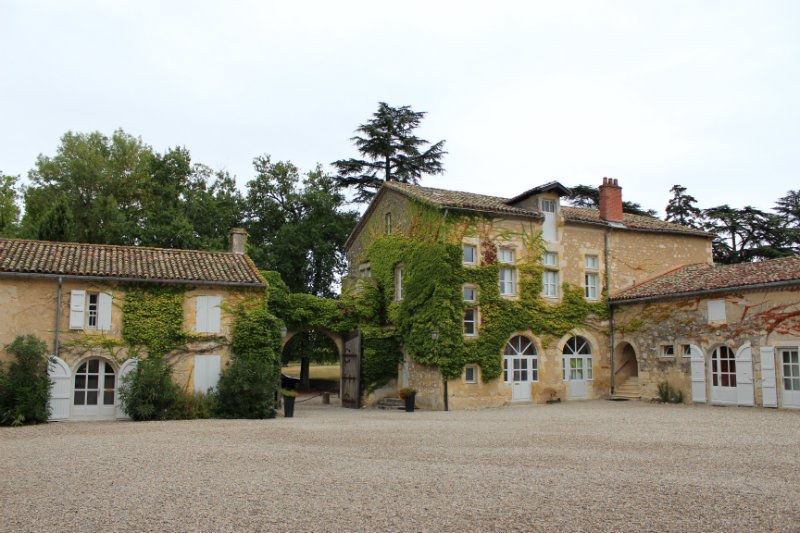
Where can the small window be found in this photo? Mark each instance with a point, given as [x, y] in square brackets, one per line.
[398, 283]
[548, 206]
[469, 322]
[365, 270]
[506, 255]
[668, 350]
[550, 284]
[591, 286]
[550, 259]
[469, 294]
[507, 281]
[469, 254]
[716, 310]
[591, 262]
[470, 374]
[91, 310]
[388, 222]
[687, 350]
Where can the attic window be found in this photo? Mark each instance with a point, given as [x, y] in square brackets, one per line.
[548, 206]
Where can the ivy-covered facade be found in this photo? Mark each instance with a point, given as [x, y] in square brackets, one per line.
[491, 300]
[100, 309]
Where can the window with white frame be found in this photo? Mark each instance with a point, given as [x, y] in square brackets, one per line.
[686, 349]
[388, 223]
[470, 253]
[507, 282]
[208, 314]
[506, 255]
[550, 259]
[548, 206]
[470, 315]
[365, 270]
[90, 310]
[550, 283]
[470, 294]
[591, 286]
[471, 374]
[591, 262]
[398, 283]
[667, 350]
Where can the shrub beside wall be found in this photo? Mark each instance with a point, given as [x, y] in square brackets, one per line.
[25, 387]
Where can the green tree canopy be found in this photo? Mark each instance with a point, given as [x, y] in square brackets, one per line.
[682, 210]
[9, 210]
[392, 151]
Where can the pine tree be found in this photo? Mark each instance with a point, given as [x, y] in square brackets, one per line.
[681, 209]
[392, 150]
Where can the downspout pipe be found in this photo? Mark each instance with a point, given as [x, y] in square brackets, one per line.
[444, 239]
[610, 308]
[58, 318]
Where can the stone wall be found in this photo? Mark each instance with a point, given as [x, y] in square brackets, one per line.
[764, 318]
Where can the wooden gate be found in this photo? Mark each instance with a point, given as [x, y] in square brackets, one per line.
[351, 370]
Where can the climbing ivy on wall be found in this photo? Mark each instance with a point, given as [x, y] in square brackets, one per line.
[153, 317]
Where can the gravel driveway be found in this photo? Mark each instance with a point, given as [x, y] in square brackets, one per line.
[580, 466]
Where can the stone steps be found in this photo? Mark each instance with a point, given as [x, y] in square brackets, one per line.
[391, 403]
[628, 389]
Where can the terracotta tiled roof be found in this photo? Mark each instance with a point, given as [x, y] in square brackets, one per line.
[128, 262]
[495, 204]
[704, 277]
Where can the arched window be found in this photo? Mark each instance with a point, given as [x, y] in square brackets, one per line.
[577, 360]
[723, 367]
[520, 361]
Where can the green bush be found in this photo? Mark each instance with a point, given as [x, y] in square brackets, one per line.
[25, 387]
[247, 389]
[149, 393]
[669, 395]
[190, 405]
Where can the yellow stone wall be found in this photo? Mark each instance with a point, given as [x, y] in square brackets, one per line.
[29, 307]
[634, 257]
[760, 317]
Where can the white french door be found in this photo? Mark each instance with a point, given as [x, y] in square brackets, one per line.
[723, 376]
[94, 390]
[520, 367]
[577, 366]
[790, 377]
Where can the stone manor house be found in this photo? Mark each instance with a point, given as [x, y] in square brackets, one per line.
[720, 334]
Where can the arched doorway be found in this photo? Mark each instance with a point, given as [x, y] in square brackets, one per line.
[94, 389]
[313, 345]
[520, 367]
[577, 357]
[626, 370]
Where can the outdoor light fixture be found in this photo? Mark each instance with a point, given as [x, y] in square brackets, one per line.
[284, 331]
[435, 334]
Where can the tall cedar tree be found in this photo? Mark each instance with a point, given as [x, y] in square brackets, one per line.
[682, 210]
[392, 150]
[788, 209]
[9, 210]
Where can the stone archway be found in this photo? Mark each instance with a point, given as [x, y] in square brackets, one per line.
[626, 370]
[336, 338]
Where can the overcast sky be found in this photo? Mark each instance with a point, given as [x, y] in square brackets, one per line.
[699, 93]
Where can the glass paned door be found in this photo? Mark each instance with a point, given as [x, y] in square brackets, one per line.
[723, 376]
[93, 391]
[790, 377]
[577, 366]
[520, 367]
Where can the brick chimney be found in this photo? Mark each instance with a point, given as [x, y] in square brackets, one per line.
[238, 236]
[610, 200]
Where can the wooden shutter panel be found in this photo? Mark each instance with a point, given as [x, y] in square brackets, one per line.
[60, 378]
[698, 371]
[77, 306]
[104, 311]
[126, 368]
[206, 372]
[214, 314]
[744, 375]
[769, 392]
[201, 314]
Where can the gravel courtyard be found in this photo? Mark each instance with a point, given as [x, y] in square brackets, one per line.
[581, 466]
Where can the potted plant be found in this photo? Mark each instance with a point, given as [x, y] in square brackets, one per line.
[288, 402]
[408, 394]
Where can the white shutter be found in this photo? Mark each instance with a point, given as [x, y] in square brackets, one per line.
[744, 375]
[201, 314]
[206, 372]
[60, 377]
[77, 306]
[126, 368]
[104, 311]
[549, 227]
[208, 315]
[769, 393]
[698, 366]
